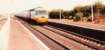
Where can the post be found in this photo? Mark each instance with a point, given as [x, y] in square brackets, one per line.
[60, 14]
[92, 15]
[29, 13]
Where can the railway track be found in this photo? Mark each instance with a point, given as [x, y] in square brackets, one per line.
[90, 42]
[92, 33]
[56, 36]
[59, 39]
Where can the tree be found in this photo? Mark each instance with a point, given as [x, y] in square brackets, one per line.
[66, 14]
[86, 11]
[102, 11]
[55, 14]
[78, 16]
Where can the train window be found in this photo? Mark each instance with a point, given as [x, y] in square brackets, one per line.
[41, 12]
[42, 17]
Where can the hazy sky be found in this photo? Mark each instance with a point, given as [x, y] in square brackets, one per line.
[8, 6]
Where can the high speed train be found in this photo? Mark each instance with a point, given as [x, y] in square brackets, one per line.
[38, 16]
[41, 16]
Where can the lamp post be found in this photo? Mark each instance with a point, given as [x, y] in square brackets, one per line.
[60, 14]
[92, 10]
[92, 15]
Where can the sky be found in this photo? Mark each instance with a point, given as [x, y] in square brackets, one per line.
[13, 6]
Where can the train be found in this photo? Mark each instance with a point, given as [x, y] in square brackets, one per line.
[39, 16]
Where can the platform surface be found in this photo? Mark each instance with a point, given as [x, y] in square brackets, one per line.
[20, 38]
[79, 24]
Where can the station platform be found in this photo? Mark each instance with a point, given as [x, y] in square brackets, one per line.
[79, 24]
[20, 38]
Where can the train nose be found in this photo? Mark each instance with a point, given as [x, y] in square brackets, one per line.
[41, 20]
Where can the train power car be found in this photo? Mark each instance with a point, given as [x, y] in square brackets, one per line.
[41, 16]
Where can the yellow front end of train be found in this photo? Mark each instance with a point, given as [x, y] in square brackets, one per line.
[41, 16]
[41, 20]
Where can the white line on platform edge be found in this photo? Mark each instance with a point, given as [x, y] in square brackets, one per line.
[4, 35]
